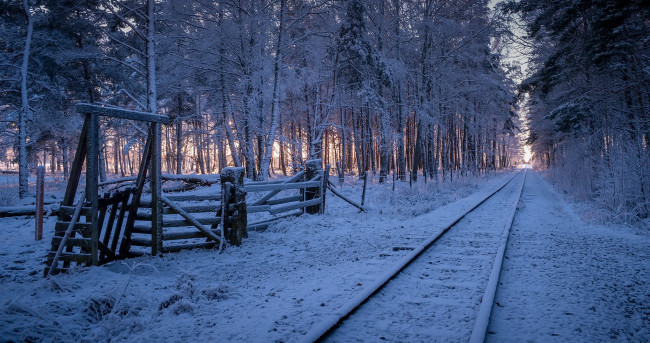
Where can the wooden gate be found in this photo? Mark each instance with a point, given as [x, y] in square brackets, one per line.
[88, 238]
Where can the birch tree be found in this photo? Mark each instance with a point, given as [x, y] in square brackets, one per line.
[25, 110]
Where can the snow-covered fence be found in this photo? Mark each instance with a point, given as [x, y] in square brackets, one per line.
[38, 211]
[302, 193]
[198, 220]
[233, 211]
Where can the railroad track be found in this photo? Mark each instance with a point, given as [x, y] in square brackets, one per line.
[443, 290]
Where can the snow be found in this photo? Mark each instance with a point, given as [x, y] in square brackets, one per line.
[282, 282]
[564, 280]
[437, 296]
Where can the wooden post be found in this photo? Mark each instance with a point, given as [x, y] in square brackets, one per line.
[233, 196]
[326, 180]
[313, 169]
[125, 246]
[92, 184]
[156, 187]
[77, 165]
[38, 218]
[365, 184]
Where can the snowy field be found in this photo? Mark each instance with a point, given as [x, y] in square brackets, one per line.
[283, 281]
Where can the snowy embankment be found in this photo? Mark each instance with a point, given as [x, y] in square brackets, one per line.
[274, 287]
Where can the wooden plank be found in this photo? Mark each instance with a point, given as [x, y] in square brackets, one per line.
[76, 242]
[14, 211]
[189, 218]
[135, 202]
[194, 197]
[156, 191]
[271, 182]
[77, 166]
[185, 222]
[92, 180]
[143, 216]
[172, 236]
[200, 179]
[83, 228]
[107, 254]
[146, 229]
[121, 113]
[346, 199]
[295, 206]
[269, 195]
[120, 219]
[120, 180]
[196, 208]
[141, 242]
[69, 210]
[184, 198]
[260, 208]
[285, 200]
[281, 186]
[179, 247]
[111, 221]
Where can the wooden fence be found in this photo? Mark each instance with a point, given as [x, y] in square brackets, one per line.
[189, 221]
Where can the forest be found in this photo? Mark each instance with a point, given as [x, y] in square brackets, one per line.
[587, 96]
[365, 85]
[412, 88]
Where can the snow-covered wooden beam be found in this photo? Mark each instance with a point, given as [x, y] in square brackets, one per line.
[121, 113]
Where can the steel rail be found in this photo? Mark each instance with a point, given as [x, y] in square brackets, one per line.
[319, 332]
[485, 309]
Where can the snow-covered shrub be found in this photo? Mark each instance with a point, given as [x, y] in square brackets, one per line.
[616, 181]
[98, 307]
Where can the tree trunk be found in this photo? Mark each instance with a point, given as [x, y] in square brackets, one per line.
[25, 111]
[275, 107]
[343, 144]
[401, 160]
[179, 144]
[417, 154]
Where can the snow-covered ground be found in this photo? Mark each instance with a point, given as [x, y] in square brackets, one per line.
[283, 281]
[436, 298]
[567, 281]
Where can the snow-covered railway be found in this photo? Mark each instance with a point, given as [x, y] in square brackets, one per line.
[443, 290]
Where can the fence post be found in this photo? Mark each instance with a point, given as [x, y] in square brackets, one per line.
[313, 169]
[340, 171]
[234, 195]
[365, 184]
[38, 218]
[326, 180]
